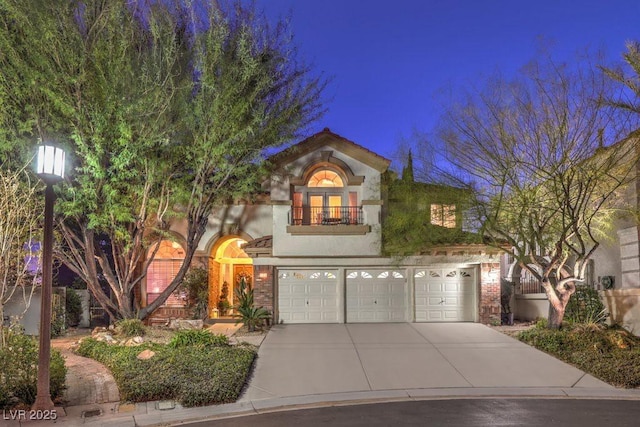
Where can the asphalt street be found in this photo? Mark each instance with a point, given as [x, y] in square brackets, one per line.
[457, 412]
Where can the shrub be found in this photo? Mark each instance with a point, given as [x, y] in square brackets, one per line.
[542, 323]
[548, 340]
[253, 316]
[196, 283]
[19, 374]
[197, 337]
[611, 354]
[58, 323]
[192, 376]
[73, 308]
[585, 306]
[245, 310]
[131, 327]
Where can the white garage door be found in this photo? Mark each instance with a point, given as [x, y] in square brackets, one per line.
[308, 296]
[376, 296]
[445, 294]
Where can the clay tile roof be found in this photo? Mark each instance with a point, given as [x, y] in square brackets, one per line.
[265, 242]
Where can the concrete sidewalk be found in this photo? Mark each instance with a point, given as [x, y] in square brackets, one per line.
[301, 366]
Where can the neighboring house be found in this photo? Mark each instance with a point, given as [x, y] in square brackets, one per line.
[311, 246]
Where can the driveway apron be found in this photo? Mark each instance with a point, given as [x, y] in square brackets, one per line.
[299, 360]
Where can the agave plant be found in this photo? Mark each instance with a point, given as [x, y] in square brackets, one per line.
[245, 310]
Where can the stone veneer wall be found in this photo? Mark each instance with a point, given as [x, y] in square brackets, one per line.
[490, 292]
[263, 286]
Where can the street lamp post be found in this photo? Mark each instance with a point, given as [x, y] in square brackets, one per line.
[50, 168]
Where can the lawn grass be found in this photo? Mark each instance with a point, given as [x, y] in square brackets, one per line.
[610, 354]
[193, 375]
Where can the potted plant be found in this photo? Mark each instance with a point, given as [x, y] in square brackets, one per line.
[506, 292]
[223, 302]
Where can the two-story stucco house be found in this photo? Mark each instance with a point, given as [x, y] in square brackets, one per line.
[311, 247]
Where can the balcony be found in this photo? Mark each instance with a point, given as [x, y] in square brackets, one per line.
[326, 220]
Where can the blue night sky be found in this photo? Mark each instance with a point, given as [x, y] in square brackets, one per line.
[388, 60]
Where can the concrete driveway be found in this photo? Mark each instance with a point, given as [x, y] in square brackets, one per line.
[301, 360]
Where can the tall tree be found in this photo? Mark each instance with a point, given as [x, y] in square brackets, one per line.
[20, 211]
[407, 171]
[534, 152]
[250, 93]
[168, 110]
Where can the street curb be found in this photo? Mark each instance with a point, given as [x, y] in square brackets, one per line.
[148, 414]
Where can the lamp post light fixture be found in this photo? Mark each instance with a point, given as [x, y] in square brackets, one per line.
[50, 169]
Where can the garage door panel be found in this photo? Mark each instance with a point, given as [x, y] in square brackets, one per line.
[308, 296]
[451, 287]
[435, 287]
[298, 303]
[376, 295]
[444, 294]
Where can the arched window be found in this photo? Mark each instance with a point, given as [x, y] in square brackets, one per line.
[162, 270]
[325, 199]
[325, 178]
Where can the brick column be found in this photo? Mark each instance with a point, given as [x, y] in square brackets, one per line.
[263, 286]
[490, 292]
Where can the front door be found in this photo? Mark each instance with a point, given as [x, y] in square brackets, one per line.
[241, 270]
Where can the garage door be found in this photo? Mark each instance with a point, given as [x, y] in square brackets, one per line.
[376, 296]
[308, 296]
[445, 294]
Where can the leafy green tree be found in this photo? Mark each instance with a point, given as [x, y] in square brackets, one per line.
[165, 111]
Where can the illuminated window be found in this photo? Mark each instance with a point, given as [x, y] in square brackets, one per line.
[443, 215]
[162, 270]
[325, 178]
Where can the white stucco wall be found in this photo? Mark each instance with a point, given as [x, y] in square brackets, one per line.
[623, 306]
[606, 261]
[369, 190]
[250, 221]
[30, 319]
[288, 244]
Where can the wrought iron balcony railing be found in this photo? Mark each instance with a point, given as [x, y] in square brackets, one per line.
[326, 215]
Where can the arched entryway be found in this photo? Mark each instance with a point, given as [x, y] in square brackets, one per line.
[227, 264]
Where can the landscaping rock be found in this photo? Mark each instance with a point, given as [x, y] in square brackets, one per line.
[106, 337]
[98, 329]
[185, 324]
[146, 355]
[132, 342]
